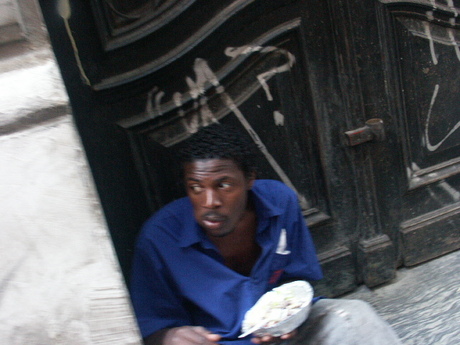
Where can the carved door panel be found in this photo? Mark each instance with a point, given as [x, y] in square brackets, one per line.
[426, 58]
[400, 63]
[294, 76]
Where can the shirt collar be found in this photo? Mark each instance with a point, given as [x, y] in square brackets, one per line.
[192, 232]
[265, 207]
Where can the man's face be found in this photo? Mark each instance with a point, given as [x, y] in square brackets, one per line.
[218, 190]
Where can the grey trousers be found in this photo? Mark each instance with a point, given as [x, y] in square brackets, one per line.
[344, 322]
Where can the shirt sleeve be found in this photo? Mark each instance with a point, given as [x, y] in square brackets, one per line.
[303, 262]
[156, 301]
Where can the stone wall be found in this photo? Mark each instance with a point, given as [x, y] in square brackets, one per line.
[60, 282]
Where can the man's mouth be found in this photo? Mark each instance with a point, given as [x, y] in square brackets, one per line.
[213, 221]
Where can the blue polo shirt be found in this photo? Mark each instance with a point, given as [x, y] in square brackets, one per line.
[179, 277]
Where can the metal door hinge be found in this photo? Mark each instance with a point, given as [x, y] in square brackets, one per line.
[372, 131]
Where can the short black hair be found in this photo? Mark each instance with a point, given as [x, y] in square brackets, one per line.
[218, 141]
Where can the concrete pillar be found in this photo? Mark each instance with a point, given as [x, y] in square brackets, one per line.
[60, 282]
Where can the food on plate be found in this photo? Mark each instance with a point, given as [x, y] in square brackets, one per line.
[280, 310]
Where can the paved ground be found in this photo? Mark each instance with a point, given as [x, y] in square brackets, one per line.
[422, 303]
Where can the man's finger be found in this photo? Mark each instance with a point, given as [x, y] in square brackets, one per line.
[263, 339]
[289, 335]
[206, 334]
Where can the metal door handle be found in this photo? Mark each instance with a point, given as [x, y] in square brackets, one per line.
[372, 131]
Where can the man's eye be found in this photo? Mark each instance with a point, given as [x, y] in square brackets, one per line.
[224, 185]
[195, 188]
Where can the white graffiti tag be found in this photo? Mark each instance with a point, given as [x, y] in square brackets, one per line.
[429, 146]
[203, 114]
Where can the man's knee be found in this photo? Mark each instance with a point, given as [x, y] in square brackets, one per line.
[352, 305]
[355, 306]
[342, 321]
[350, 311]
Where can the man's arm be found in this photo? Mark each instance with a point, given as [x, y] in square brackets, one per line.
[156, 338]
[156, 301]
[185, 335]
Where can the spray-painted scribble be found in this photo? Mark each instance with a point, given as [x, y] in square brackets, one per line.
[450, 4]
[156, 94]
[65, 12]
[279, 118]
[430, 146]
[230, 103]
[202, 114]
[433, 33]
[430, 30]
[265, 76]
[430, 40]
[177, 98]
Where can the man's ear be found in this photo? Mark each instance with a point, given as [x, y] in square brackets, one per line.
[251, 178]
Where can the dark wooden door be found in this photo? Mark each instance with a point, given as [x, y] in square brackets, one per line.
[418, 189]
[301, 78]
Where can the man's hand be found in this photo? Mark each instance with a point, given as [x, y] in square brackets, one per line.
[268, 339]
[189, 335]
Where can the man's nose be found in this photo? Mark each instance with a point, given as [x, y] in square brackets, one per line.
[212, 199]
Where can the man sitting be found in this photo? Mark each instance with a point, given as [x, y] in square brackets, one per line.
[202, 261]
